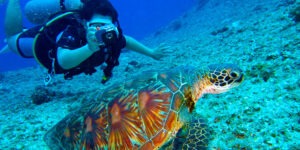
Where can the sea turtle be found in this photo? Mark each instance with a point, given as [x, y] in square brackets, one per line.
[151, 111]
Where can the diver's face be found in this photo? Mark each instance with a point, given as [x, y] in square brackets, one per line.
[98, 20]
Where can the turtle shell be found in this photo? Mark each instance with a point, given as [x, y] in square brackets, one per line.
[142, 113]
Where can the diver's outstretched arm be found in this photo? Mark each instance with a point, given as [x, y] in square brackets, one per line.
[156, 53]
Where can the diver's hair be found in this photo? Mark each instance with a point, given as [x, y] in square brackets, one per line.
[103, 7]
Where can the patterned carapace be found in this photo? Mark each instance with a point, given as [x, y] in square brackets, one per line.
[152, 111]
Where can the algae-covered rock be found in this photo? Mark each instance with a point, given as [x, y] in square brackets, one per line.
[295, 13]
[42, 95]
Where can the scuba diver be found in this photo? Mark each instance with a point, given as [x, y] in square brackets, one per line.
[76, 39]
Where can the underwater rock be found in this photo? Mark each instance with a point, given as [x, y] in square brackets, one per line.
[133, 63]
[132, 66]
[259, 8]
[262, 71]
[295, 14]
[42, 95]
[176, 25]
[157, 33]
[224, 29]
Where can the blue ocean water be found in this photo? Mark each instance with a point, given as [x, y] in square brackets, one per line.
[137, 18]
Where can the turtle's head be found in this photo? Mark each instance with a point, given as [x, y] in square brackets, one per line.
[223, 77]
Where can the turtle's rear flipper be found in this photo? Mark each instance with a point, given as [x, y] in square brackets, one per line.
[193, 135]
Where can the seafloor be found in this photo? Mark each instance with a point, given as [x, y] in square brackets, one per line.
[262, 37]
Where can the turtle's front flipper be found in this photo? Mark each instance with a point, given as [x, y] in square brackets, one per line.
[192, 136]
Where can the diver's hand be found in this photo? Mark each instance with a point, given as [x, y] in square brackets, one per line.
[91, 39]
[161, 51]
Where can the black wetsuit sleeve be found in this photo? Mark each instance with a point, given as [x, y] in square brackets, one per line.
[72, 38]
[121, 43]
